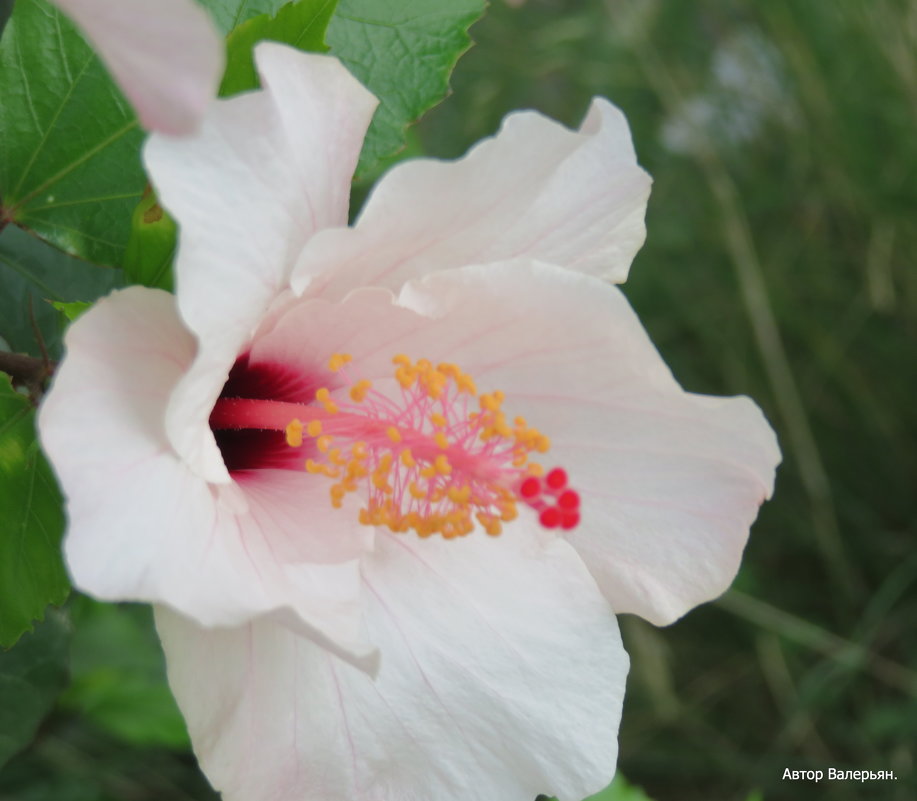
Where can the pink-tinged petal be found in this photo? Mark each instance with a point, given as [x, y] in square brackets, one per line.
[266, 171]
[144, 527]
[167, 56]
[573, 198]
[367, 324]
[670, 481]
[502, 675]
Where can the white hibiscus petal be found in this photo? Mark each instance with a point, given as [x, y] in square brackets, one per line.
[507, 629]
[167, 56]
[537, 189]
[144, 527]
[670, 481]
[266, 171]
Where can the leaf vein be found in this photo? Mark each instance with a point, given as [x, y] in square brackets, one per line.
[84, 157]
[40, 146]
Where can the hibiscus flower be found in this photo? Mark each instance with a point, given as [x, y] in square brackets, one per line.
[388, 484]
[166, 55]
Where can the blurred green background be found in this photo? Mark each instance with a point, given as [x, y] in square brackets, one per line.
[780, 134]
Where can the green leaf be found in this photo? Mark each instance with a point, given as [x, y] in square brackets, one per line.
[69, 166]
[404, 51]
[151, 247]
[32, 272]
[618, 790]
[301, 24]
[229, 14]
[118, 675]
[32, 572]
[31, 676]
[71, 310]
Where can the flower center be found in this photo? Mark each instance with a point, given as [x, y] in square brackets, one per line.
[436, 460]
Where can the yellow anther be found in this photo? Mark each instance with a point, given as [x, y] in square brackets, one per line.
[294, 433]
[501, 427]
[336, 457]
[434, 383]
[442, 465]
[459, 494]
[520, 421]
[490, 403]
[416, 491]
[401, 359]
[542, 443]
[314, 428]
[313, 467]
[407, 458]
[506, 494]
[359, 450]
[428, 472]
[438, 420]
[338, 360]
[405, 376]
[490, 523]
[465, 383]
[385, 463]
[441, 440]
[323, 396]
[393, 434]
[508, 511]
[323, 443]
[360, 390]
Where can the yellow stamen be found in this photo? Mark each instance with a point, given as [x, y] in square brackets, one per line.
[338, 360]
[294, 433]
[360, 390]
[323, 396]
[457, 482]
